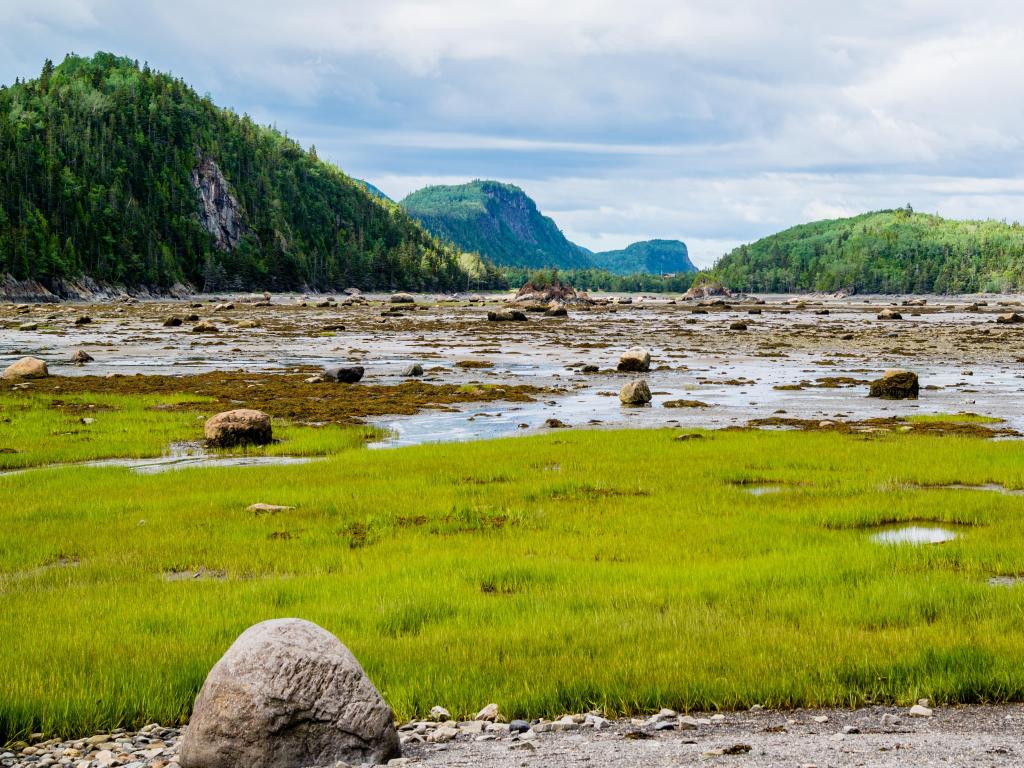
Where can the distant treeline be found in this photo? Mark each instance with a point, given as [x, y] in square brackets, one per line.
[600, 280]
[894, 251]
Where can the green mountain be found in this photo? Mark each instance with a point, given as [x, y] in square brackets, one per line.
[373, 190]
[894, 251]
[116, 172]
[498, 221]
[656, 257]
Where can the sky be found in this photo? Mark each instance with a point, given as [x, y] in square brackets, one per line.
[715, 123]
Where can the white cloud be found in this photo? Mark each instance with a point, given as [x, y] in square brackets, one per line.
[714, 123]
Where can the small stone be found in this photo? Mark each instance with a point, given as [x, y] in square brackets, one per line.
[850, 729]
[267, 509]
[488, 714]
[918, 711]
[440, 714]
[820, 718]
[889, 720]
[518, 726]
[443, 734]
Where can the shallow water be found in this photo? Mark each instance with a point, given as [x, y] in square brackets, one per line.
[914, 534]
[179, 456]
[969, 360]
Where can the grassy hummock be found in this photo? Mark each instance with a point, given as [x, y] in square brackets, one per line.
[625, 570]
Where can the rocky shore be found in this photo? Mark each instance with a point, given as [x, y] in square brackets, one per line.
[886, 737]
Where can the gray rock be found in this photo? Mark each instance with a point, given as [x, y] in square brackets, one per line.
[345, 374]
[26, 368]
[636, 359]
[440, 714]
[635, 393]
[413, 370]
[288, 694]
[488, 714]
[242, 426]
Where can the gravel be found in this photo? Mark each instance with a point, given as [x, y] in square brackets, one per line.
[989, 736]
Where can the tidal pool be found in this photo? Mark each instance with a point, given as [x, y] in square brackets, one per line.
[914, 534]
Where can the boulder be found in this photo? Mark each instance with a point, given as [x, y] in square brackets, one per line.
[705, 290]
[1010, 317]
[737, 325]
[889, 314]
[242, 426]
[635, 393]
[895, 384]
[204, 327]
[81, 357]
[413, 370]
[635, 359]
[507, 316]
[288, 694]
[345, 374]
[402, 298]
[172, 322]
[556, 310]
[26, 368]
[83, 320]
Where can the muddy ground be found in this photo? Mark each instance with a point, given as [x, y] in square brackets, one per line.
[799, 357]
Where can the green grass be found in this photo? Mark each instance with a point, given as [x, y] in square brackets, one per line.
[622, 570]
[45, 429]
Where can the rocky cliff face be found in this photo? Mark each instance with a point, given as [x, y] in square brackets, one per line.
[220, 211]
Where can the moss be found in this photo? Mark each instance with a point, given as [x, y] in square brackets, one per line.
[286, 395]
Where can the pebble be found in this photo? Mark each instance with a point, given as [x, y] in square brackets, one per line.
[440, 714]
[918, 711]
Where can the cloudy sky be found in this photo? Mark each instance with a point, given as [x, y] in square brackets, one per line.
[711, 122]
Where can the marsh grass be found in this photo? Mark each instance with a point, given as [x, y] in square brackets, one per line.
[622, 570]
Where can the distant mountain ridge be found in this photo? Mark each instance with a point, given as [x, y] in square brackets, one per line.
[656, 257]
[890, 251]
[502, 223]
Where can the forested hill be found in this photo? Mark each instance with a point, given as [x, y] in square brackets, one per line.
[126, 175]
[497, 220]
[656, 257]
[895, 251]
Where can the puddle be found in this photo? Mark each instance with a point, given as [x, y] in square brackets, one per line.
[180, 456]
[991, 487]
[914, 534]
[763, 490]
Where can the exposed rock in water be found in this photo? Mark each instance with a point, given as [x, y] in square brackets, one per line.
[556, 310]
[288, 694]
[81, 357]
[635, 359]
[205, 327]
[26, 368]
[345, 374]
[172, 322]
[895, 384]
[403, 298]
[557, 291]
[242, 426]
[635, 393]
[413, 370]
[555, 424]
[706, 290]
[737, 325]
[1010, 317]
[220, 212]
[889, 314]
[507, 316]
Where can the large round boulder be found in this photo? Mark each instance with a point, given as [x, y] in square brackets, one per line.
[635, 392]
[242, 426]
[635, 359]
[403, 298]
[288, 694]
[26, 368]
[895, 384]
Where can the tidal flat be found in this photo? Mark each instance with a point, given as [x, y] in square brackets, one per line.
[621, 568]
